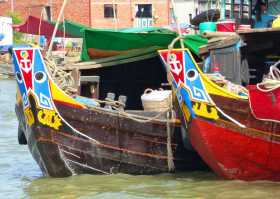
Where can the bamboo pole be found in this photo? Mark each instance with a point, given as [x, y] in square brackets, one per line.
[177, 24]
[115, 15]
[56, 27]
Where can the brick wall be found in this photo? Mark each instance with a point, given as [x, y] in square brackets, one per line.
[91, 12]
[126, 13]
[76, 10]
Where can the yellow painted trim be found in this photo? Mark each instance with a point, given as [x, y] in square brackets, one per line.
[29, 116]
[18, 96]
[58, 95]
[49, 118]
[209, 85]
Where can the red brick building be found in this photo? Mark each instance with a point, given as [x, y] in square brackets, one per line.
[75, 10]
[95, 13]
[129, 13]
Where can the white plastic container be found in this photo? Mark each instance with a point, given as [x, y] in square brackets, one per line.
[156, 100]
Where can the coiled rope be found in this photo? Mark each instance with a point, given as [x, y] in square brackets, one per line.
[271, 81]
[228, 85]
[63, 79]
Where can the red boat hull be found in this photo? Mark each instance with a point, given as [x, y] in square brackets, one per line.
[233, 153]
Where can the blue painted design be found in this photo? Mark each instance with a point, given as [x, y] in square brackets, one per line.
[193, 81]
[20, 81]
[41, 88]
[185, 95]
[41, 81]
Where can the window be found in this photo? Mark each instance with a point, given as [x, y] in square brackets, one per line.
[109, 10]
[48, 13]
[144, 11]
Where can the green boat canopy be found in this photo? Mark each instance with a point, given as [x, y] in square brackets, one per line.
[127, 40]
[72, 28]
[194, 42]
[110, 42]
[122, 41]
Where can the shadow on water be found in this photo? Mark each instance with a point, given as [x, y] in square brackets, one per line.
[20, 176]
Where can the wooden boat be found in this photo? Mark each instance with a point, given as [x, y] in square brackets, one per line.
[67, 136]
[236, 135]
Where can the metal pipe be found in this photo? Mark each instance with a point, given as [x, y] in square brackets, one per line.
[115, 16]
[89, 13]
[241, 9]
[250, 11]
[223, 10]
[12, 6]
[131, 13]
[232, 9]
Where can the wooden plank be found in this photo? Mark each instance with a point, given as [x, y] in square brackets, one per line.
[108, 64]
[218, 34]
[89, 79]
[75, 73]
[134, 53]
[258, 30]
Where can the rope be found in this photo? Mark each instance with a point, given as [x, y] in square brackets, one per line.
[222, 82]
[271, 81]
[170, 162]
[63, 79]
[143, 119]
[118, 106]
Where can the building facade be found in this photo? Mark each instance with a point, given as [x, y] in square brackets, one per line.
[129, 13]
[75, 10]
[95, 13]
[185, 10]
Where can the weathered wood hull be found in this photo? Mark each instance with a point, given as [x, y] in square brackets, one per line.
[66, 137]
[100, 142]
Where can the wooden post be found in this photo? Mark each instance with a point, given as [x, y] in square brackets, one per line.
[75, 73]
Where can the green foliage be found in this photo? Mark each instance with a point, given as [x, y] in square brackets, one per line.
[17, 19]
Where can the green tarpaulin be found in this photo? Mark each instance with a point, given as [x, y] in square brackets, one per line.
[123, 41]
[193, 42]
[130, 39]
[127, 39]
[71, 28]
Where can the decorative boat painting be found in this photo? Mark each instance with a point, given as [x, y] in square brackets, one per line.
[68, 137]
[236, 134]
